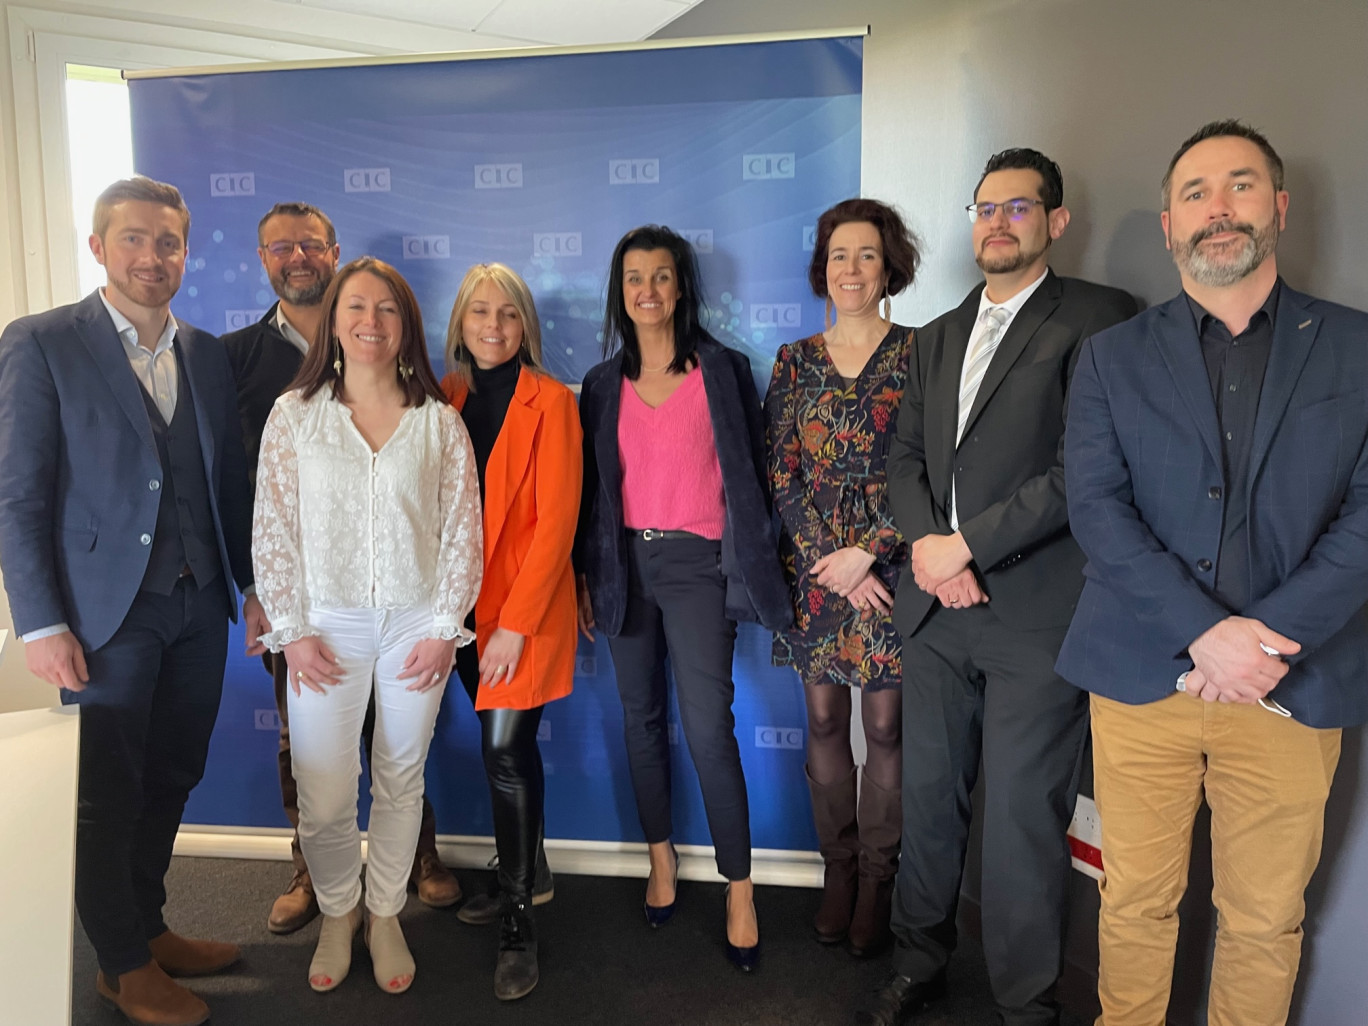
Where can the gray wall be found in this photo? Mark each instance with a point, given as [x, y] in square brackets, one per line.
[1109, 88]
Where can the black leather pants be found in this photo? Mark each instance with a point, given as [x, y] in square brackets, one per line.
[517, 787]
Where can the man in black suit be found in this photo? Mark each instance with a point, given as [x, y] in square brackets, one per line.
[976, 483]
[298, 248]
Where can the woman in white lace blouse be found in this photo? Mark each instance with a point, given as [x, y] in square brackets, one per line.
[368, 554]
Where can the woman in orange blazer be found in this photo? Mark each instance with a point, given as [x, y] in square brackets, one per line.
[524, 428]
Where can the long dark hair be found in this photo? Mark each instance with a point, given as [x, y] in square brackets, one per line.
[618, 329]
[317, 369]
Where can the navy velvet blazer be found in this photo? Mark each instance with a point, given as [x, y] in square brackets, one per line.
[1142, 461]
[79, 472]
[756, 589]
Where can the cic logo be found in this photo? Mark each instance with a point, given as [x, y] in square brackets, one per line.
[701, 239]
[366, 179]
[775, 315]
[760, 166]
[266, 719]
[639, 171]
[779, 737]
[427, 247]
[232, 183]
[557, 244]
[241, 318]
[498, 176]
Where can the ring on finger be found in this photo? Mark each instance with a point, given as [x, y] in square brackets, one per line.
[299, 675]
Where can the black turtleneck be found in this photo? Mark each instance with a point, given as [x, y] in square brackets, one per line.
[485, 407]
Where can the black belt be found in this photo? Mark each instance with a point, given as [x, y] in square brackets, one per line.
[653, 534]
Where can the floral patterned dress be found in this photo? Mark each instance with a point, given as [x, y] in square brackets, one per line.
[828, 446]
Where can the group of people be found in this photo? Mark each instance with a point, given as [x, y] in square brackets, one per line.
[1037, 512]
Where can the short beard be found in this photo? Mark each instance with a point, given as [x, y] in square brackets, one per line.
[1224, 271]
[308, 295]
[1009, 264]
[149, 296]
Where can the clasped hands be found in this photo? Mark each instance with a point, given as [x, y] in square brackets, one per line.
[1230, 666]
[313, 664]
[848, 572]
[940, 567]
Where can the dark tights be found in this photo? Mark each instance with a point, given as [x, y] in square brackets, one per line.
[513, 764]
[830, 759]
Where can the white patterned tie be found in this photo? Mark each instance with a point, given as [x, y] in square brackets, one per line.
[976, 364]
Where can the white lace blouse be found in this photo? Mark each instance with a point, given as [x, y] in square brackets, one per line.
[340, 527]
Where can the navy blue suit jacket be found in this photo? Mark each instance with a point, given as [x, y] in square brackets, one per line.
[1142, 462]
[78, 464]
[756, 588]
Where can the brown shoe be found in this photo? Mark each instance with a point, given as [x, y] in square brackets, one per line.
[149, 997]
[182, 956]
[436, 885]
[295, 907]
[880, 834]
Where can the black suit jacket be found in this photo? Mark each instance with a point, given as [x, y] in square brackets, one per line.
[264, 362]
[1008, 468]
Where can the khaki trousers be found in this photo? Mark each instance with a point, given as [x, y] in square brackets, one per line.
[1266, 779]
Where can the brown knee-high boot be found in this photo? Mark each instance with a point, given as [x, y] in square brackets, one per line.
[833, 812]
[880, 833]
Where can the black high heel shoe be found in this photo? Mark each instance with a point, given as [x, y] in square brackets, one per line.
[745, 959]
[658, 915]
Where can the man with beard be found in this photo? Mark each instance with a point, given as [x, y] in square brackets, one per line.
[125, 520]
[298, 248]
[975, 483]
[1218, 484]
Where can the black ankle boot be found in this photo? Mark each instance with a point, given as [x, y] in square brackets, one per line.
[516, 972]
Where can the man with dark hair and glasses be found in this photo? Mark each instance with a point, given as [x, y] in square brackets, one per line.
[976, 484]
[298, 249]
[1217, 458]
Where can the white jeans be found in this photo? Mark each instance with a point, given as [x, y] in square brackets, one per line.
[325, 733]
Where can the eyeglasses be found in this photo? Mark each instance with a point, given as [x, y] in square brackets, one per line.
[309, 247]
[1015, 209]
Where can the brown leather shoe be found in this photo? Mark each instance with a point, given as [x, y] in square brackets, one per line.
[296, 906]
[182, 956]
[148, 997]
[436, 885]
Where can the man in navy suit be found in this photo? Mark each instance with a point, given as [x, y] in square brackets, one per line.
[1217, 481]
[125, 522]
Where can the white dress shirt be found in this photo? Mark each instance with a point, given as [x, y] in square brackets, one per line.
[287, 329]
[981, 324]
[156, 367]
[338, 526]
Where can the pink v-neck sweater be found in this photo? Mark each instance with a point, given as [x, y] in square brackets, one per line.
[671, 480]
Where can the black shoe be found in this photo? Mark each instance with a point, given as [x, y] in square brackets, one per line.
[659, 915]
[900, 999]
[516, 972]
[483, 909]
[745, 959]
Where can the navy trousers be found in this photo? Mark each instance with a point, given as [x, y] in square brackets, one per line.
[146, 718]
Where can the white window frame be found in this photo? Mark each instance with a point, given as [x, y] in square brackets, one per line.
[42, 44]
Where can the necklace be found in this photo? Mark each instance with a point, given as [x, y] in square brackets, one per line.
[657, 370]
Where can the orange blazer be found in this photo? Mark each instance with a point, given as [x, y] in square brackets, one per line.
[531, 506]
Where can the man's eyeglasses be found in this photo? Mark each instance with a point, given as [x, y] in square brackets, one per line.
[309, 247]
[1015, 209]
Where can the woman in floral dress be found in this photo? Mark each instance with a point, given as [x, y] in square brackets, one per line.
[831, 410]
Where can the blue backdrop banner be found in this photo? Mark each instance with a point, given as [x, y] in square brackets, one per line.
[541, 162]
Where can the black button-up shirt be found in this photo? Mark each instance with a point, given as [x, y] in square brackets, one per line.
[1235, 367]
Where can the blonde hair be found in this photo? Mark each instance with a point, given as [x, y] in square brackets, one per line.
[510, 283]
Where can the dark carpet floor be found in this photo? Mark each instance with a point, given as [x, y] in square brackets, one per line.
[600, 963]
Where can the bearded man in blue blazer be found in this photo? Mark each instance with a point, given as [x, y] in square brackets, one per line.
[1216, 464]
[125, 524]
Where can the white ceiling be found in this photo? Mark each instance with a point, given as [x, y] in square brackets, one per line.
[523, 22]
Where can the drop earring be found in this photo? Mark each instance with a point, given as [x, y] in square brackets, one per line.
[887, 307]
[405, 370]
[337, 359]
